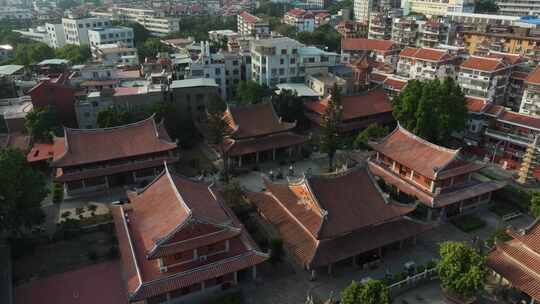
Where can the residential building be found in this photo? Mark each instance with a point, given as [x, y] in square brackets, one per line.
[352, 29]
[322, 18]
[76, 29]
[180, 242]
[478, 19]
[404, 31]
[516, 89]
[257, 134]
[249, 25]
[56, 35]
[530, 103]
[382, 51]
[426, 64]
[155, 21]
[358, 111]
[302, 20]
[437, 8]
[486, 77]
[316, 4]
[362, 9]
[380, 26]
[38, 34]
[509, 39]
[434, 175]
[116, 54]
[6, 52]
[431, 33]
[518, 8]
[322, 84]
[82, 162]
[192, 96]
[110, 35]
[282, 60]
[515, 262]
[393, 85]
[15, 13]
[335, 218]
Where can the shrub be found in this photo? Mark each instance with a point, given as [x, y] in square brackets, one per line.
[79, 211]
[276, 247]
[500, 235]
[58, 193]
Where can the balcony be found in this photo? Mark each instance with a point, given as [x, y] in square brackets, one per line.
[510, 137]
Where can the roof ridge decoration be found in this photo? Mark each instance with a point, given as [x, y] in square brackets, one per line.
[323, 211]
[131, 247]
[137, 123]
[420, 139]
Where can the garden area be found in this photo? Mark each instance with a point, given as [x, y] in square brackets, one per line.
[468, 223]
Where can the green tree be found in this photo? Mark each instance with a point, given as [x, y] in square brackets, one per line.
[67, 4]
[74, 53]
[336, 6]
[534, 204]
[113, 117]
[372, 132]
[289, 107]
[431, 109]
[351, 294]
[26, 54]
[486, 7]
[250, 92]
[151, 48]
[218, 130]
[374, 292]
[140, 33]
[41, 124]
[325, 37]
[21, 191]
[462, 270]
[331, 118]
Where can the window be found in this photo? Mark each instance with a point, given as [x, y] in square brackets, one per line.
[281, 71]
[282, 61]
[294, 51]
[284, 52]
[218, 71]
[235, 62]
[293, 60]
[86, 114]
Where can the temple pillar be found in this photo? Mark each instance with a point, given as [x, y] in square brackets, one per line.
[313, 275]
[532, 301]
[254, 272]
[239, 161]
[235, 278]
[274, 154]
[134, 177]
[257, 157]
[380, 252]
[432, 186]
[330, 269]
[393, 165]
[377, 156]
[83, 183]
[429, 214]
[202, 286]
[107, 182]
[414, 239]
[290, 151]
[355, 261]
[401, 244]
[412, 175]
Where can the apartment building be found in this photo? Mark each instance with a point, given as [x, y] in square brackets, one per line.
[249, 25]
[56, 37]
[110, 35]
[481, 39]
[485, 77]
[437, 7]
[519, 7]
[383, 51]
[404, 31]
[302, 20]
[530, 103]
[479, 19]
[431, 33]
[76, 29]
[282, 60]
[15, 13]
[116, 54]
[426, 63]
[380, 26]
[362, 10]
[155, 21]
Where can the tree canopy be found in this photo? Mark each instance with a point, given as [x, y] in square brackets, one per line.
[113, 117]
[41, 123]
[432, 109]
[21, 191]
[289, 107]
[250, 92]
[325, 36]
[199, 26]
[372, 132]
[371, 292]
[218, 129]
[336, 6]
[140, 33]
[462, 270]
[31, 53]
[74, 53]
[330, 121]
[151, 47]
[534, 204]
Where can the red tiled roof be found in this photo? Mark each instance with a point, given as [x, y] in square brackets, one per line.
[297, 12]
[83, 146]
[395, 84]
[356, 106]
[519, 75]
[100, 283]
[94, 83]
[427, 54]
[366, 44]
[534, 76]
[484, 64]
[424, 157]
[249, 18]
[518, 260]
[255, 120]
[510, 58]
[520, 119]
[375, 77]
[40, 152]
[325, 219]
[476, 105]
[265, 143]
[168, 209]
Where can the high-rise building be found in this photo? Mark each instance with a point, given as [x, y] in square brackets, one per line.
[519, 8]
[76, 29]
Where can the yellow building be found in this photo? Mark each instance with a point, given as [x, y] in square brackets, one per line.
[435, 7]
[516, 42]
